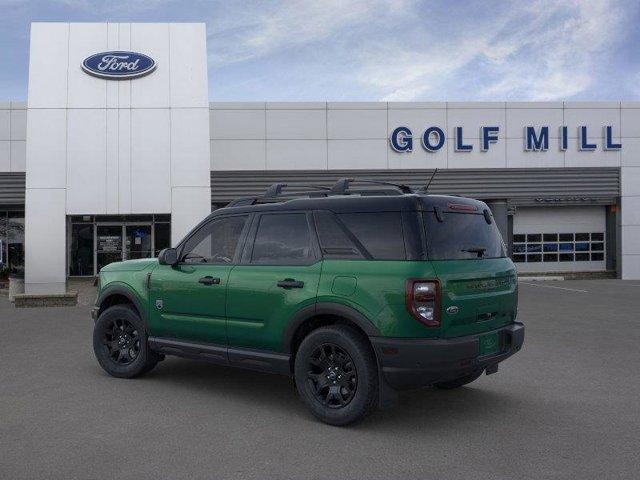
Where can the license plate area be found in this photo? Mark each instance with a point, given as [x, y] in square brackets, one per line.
[489, 343]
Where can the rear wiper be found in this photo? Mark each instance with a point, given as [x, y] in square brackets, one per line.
[477, 250]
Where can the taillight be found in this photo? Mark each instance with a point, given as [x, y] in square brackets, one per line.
[423, 301]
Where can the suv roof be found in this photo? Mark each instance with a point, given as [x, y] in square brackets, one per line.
[342, 198]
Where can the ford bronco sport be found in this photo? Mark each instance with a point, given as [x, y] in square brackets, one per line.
[354, 293]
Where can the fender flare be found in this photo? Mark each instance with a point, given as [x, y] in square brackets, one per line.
[326, 308]
[125, 291]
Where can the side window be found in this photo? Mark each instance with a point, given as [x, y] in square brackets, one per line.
[216, 242]
[380, 233]
[283, 239]
[334, 241]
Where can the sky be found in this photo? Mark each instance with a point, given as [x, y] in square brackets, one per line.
[377, 50]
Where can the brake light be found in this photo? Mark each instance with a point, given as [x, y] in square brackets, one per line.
[462, 207]
[423, 301]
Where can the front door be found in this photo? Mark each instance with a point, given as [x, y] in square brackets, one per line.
[187, 301]
[108, 245]
[278, 276]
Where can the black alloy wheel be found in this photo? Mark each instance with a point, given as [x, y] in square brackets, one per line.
[120, 343]
[332, 375]
[122, 340]
[336, 374]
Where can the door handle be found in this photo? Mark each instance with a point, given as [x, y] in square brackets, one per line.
[290, 283]
[208, 280]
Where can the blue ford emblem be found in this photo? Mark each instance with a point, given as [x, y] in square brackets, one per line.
[118, 65]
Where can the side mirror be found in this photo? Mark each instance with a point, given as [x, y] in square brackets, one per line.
[168, 256]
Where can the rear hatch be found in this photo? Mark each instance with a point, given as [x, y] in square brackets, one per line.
[478, 282]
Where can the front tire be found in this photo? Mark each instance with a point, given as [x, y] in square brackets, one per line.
[336, 375]
[120, 343]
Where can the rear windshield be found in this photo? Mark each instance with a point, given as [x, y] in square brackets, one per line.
[462, 236]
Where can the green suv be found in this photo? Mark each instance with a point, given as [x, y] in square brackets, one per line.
[354, 293]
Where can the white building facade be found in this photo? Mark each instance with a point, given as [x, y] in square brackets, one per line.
[103, 169]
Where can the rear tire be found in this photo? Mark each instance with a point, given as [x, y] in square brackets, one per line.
[336, 375]
[458, 382]
[120, 343]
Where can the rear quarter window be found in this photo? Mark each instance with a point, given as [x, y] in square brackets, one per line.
[380, 233]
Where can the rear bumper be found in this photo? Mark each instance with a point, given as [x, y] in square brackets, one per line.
[409, 362]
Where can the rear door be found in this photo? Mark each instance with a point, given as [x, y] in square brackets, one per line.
[279, 275]
[188, 300]
[477, 280]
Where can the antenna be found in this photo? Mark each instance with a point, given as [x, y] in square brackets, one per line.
[426, 189]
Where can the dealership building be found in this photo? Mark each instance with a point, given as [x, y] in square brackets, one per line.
[118, 152]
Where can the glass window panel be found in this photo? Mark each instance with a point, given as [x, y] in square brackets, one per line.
[334, 242]
[566, 257]
[15, 242]
[519, 237]
[534, 237]
[582, 257]
[381, 234]
[566, 237]
[215, 242]
[533, 258]
[282, 240]
[534, 247]
[597, 257]
[137, 241]
[598, 237]
[163, 237]
[550, 247]
[597, 247]
[519, 248]
[582, 247]
[581, 237]
[81, 252]
[566, 247]
[550, 257]
[550, 237]
[518, 258]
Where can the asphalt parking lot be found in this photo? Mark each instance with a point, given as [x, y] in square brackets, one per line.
[567, 406]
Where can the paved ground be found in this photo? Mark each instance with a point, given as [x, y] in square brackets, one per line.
[568, 406]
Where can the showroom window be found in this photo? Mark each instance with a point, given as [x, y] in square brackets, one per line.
[97, 240]
[558, 247]
[11, 242]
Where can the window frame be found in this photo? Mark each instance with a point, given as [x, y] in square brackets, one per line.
[241, 241]
[247, 251]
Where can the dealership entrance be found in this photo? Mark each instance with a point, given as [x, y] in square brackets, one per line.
[96, 241]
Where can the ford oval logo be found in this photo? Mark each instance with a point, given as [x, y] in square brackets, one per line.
[118, 65]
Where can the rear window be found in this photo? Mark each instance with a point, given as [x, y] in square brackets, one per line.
[462, 236]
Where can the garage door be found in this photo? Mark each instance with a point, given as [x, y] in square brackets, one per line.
[559, 239]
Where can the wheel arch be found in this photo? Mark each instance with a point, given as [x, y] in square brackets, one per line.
[320, 314]
[119, 294]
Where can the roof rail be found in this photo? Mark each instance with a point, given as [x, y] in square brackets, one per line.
[275, 190]
[341, 187]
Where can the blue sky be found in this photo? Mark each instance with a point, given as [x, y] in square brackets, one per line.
[361, 50]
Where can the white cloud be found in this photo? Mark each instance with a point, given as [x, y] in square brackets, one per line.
[248, 33]
[547, 50]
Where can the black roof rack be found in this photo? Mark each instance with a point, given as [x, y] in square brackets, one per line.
[276, 190]
[341, 187]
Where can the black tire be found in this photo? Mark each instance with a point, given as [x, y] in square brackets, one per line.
[336, 375]
[458, 382]
[120, 343]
